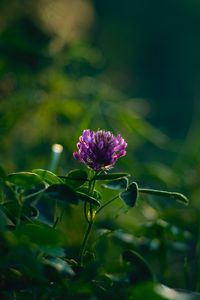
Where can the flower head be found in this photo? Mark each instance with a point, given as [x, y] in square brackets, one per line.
[99, 150]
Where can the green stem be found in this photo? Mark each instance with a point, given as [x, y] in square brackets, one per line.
[20, 202]
[56, 220]
[85, 212]
[107, 203]
[177, 196]
[56, 217]
[84, 244]
[62, 214]
[89, 218]
[19, 216]
[34, 194]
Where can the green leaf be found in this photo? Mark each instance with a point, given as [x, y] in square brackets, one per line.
[62, 192]
[25, 180]
[118, 184]
[95, 194]
[174, 195]
[53, 251]
[89, 199]
[180, 198]
[12, 210]
[139, 270]
[110, 176]
[58, 266]
[48, 176]
[40, 234]
[160, 292]
[75, 178]
[2, 196]
[129, 196]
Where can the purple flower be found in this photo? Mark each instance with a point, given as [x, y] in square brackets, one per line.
[99, 150]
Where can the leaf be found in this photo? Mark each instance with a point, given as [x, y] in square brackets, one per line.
[48, 176]
[118, 184]
[40, 234]
[89, 199]
[139, 270]
[75, 178]
[130, 195]
[62, 192]
[95, 194]
[25, 180]
[12, 210]
[160, 292]
[110, 176]
[53, 251]
[180, 198]
[32, 210]
[59, 266]
[2, 196]
[174, 195]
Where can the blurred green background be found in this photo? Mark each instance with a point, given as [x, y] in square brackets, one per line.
[131, 67]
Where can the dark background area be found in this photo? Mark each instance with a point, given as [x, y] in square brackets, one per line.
[152, 49]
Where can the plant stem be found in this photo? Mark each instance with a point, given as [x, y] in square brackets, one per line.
[84, 244]
[88, 218]
[56, 217]
[20, 202]
[85, 212]
[55, 222]
[34, 194]
[107, 203]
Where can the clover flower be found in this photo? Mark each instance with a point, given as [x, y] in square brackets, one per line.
[99, 150]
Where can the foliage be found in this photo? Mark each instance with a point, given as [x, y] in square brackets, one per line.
[38, 259]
